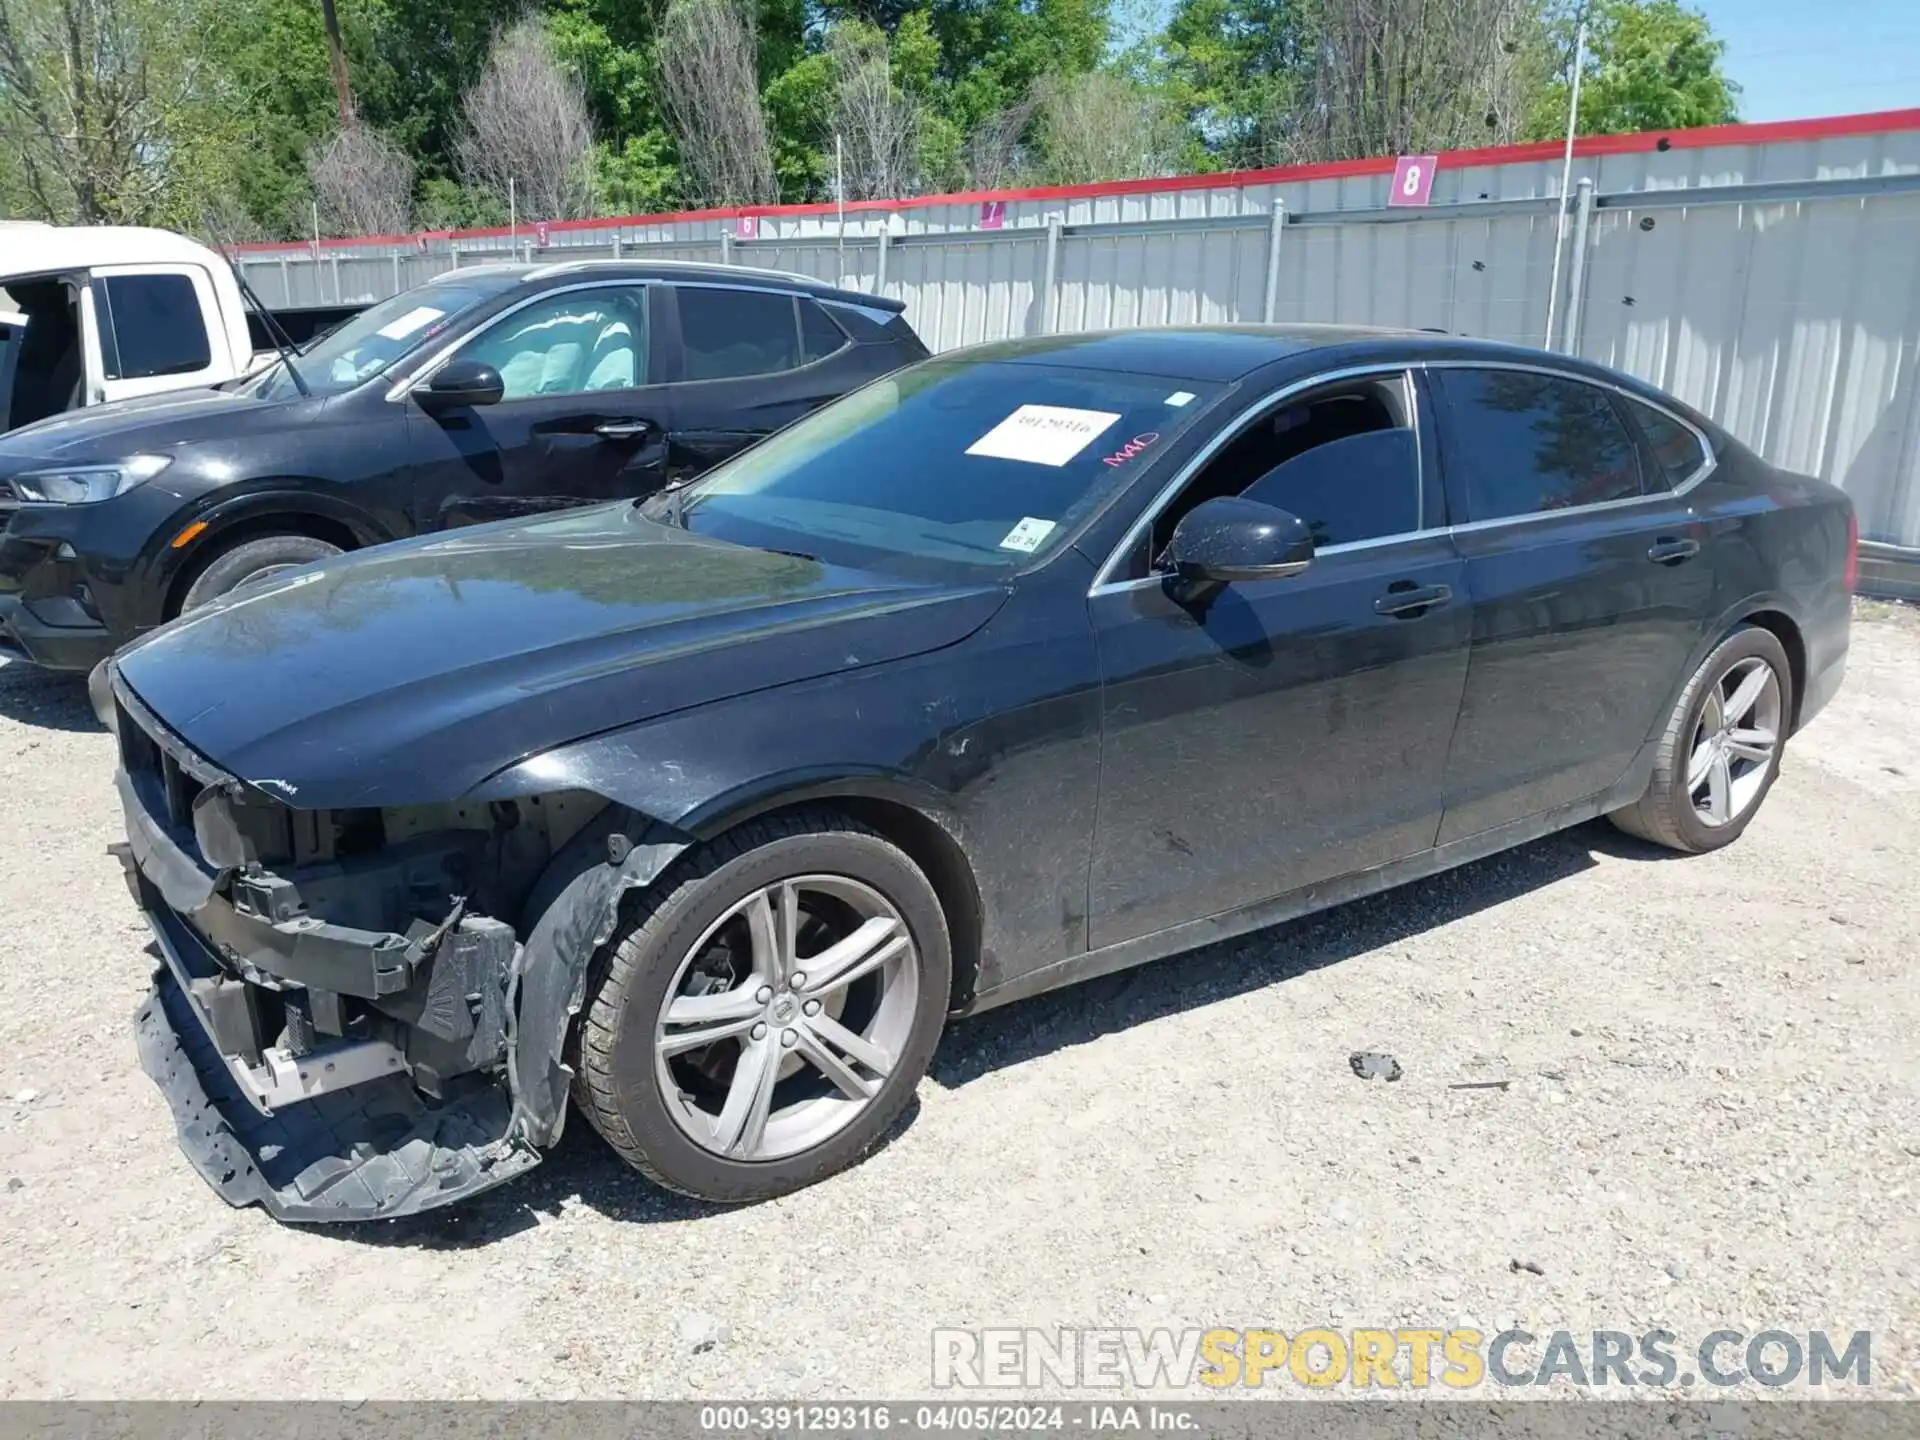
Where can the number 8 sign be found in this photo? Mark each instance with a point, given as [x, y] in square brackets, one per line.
[1413, 179]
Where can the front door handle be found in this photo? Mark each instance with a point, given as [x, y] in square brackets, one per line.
[622, 429]
[1411, 602]
[1671, 550]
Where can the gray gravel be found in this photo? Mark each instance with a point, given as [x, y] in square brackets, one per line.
[1711, 1120]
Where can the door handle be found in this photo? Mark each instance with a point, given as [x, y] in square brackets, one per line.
[1412, 601]
[622, 429]
[1670, 550]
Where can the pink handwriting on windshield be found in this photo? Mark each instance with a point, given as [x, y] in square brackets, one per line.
[1133, 447]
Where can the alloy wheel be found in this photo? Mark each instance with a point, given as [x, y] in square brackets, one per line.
[1734, 742]
[786, 1017]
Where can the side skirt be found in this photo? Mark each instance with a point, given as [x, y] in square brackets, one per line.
[1144, 949]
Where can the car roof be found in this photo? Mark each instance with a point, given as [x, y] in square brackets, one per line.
[29, 248]
[557, 272]
[1230, 352]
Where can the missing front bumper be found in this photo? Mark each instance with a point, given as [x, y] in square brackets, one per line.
[375, 1152]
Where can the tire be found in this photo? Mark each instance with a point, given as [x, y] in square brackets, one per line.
[1677, 815]
[252, 560]
[627, 1063]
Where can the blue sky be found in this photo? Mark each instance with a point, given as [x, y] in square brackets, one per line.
[1796, 58]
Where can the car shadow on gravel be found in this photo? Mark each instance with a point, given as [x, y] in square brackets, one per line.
[1080, 1013]
[580, 1169]
[49, 700]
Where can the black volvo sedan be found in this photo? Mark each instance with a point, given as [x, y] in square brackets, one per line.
[1016, 667]
[490, 392]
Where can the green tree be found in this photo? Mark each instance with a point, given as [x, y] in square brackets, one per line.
[1650, 65]
[1240, 70]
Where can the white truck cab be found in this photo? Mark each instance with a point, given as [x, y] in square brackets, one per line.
[90, 314]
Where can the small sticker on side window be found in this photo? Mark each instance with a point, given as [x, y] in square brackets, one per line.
[1027, 535]
[1043, 434]
[1180, 397]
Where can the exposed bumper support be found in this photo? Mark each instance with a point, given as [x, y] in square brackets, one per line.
[375, 1153]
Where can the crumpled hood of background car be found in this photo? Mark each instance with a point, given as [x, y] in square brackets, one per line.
[409, 674]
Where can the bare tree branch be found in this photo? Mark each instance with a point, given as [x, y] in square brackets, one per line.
[710, 91]
[878, 126]
[362, 182]
[527, 123]
[1103, 126]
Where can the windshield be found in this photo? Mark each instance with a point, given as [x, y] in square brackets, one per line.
[954, 463]
[372, 341]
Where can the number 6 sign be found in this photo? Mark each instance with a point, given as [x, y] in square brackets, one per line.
[1413, 179]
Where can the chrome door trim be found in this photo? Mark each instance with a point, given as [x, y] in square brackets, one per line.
[1102, 581]
[1709, 462]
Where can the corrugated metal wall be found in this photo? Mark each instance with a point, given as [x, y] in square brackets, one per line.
[1776, 286]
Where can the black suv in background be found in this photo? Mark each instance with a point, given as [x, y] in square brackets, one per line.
[489, 392]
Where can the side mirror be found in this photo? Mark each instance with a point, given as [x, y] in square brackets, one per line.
[1229, 539]
[460, 383]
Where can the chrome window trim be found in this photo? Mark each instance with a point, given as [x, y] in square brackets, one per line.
[423, 371]
[1709, 463]
[1102, 581]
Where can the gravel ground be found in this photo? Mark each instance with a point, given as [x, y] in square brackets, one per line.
[1712, 1121]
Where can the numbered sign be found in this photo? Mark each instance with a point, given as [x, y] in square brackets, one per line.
[747, 227]
[1413, 179]
[993, 214]
[540, 233]
[421, 241]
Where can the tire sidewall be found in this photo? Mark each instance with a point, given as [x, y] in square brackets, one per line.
[684, 918]
[1745, 643]
[227, 571]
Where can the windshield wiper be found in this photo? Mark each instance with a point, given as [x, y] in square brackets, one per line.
[281, 341]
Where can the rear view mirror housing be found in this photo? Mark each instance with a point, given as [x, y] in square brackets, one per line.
[460, 383]
[1227, 540]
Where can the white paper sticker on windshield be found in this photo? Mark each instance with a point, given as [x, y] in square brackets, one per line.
[1027, 535]
[1180, 397]
[416, 319]
[1043, 434]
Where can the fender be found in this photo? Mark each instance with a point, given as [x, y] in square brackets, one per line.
[574, 909]
[163, 562]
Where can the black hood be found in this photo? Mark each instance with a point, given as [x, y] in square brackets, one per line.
[410, 673]
[149, 424]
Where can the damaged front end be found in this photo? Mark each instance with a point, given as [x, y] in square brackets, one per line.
[337, 1022]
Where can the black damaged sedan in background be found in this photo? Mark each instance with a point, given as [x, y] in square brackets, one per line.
[1026, 664]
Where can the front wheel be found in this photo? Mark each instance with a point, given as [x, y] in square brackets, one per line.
[759, 1023]
[1721, 750]
[252, 562]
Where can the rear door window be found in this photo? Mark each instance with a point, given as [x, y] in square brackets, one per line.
[1528, 443]
[728, 333]
[150, 325]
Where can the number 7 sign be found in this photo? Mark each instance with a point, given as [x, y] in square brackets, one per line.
[1413, 179]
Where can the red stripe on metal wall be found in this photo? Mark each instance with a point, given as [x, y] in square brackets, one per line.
[1775, 132]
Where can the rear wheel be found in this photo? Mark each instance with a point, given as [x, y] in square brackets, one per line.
[250, 562]
[1721, 750]
[761, 1021]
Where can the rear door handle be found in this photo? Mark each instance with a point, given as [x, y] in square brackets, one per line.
[1411, 602]
[622, 429]
[1669, 550]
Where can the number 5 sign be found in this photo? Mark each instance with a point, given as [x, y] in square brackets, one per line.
[1413, 179]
